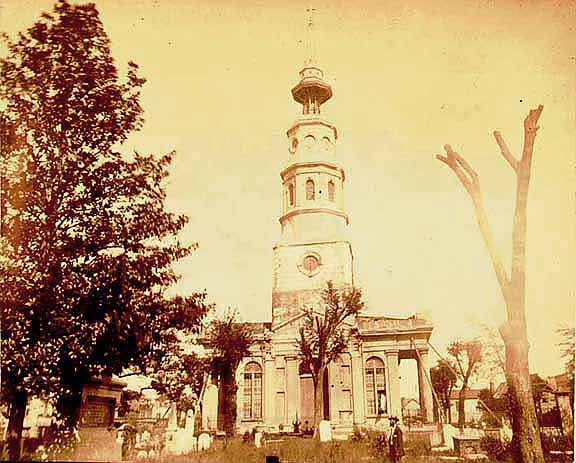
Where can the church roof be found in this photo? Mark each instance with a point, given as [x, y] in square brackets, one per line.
[368, 323]
[258, 327]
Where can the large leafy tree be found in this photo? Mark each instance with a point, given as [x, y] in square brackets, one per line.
[444, 378]
[323, 337]
[228, 342]
[87, 245]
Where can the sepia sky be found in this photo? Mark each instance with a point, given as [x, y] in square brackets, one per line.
[408, 77]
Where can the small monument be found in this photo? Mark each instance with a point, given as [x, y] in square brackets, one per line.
[97, 436]
[204, 441]
[325, 431]
[258, 439]
[210, 408]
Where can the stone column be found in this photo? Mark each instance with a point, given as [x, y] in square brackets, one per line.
[292, 390]
[426, 403]
[394, 384]
[358, 398]
[269, 390]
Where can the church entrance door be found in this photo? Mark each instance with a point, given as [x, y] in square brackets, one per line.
[306, 400]
[326, 395]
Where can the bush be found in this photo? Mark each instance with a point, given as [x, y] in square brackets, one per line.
[418, 446]
[556, 442]
[379, 444]
[495, 448]
[358, 434]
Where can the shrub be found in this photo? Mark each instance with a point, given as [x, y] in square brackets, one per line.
[418, 446]
[378, 443]
[358, 434]
[556, 442]
[495, 448]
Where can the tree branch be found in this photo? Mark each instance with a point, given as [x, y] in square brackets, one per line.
[469, 178]
[506, 151]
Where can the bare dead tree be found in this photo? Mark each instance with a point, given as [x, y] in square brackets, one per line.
[322, 338]
[526, 432]
[467, 357]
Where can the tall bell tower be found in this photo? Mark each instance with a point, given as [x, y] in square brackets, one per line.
[313, 247]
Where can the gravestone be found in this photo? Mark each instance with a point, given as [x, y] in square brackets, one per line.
[204, 441]
[210, 408]
[97, 435]
[258, 439]
[325, 431]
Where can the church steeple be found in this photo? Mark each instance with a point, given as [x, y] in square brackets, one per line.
[313, 180]
[313, 247]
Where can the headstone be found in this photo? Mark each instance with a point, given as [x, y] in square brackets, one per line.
[258, 439]
[325, 431]
[189, 426]
[210, 408]
[204, 441]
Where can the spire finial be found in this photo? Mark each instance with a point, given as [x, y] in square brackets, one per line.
[310, 44]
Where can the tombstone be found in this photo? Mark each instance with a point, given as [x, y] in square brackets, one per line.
[96, 432]
[180, 441]
[189, 425]
[325, 431]
[204, 441]
[210, 408]
[258, 439]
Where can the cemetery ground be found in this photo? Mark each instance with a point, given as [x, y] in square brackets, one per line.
[309, 450]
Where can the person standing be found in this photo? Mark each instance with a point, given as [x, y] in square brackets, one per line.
[395, 441]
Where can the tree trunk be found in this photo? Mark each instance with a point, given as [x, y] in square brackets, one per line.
[319, 400]
[526, 443]
[461, 411]
[525, 426]
[227, 402]
[15, 425]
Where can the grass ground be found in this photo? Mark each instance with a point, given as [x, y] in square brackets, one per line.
[294, 451]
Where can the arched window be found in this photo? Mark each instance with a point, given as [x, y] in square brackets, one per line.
[291, 195]
[375, 386]
[331, 191]
[310, 193]
[252, 409]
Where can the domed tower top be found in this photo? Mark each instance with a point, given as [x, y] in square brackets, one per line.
[312, 91]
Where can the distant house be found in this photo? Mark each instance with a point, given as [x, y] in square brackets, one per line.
[473, 406]
[554, 400]
[410, 408]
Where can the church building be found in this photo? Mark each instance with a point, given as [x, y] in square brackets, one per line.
[362, 388]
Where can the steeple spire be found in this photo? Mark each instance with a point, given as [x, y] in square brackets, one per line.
[310, 43]
[312, 91]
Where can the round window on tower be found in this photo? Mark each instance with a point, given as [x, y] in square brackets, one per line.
[310, 264]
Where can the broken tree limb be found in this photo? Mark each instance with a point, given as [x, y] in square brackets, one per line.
[506, 151]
